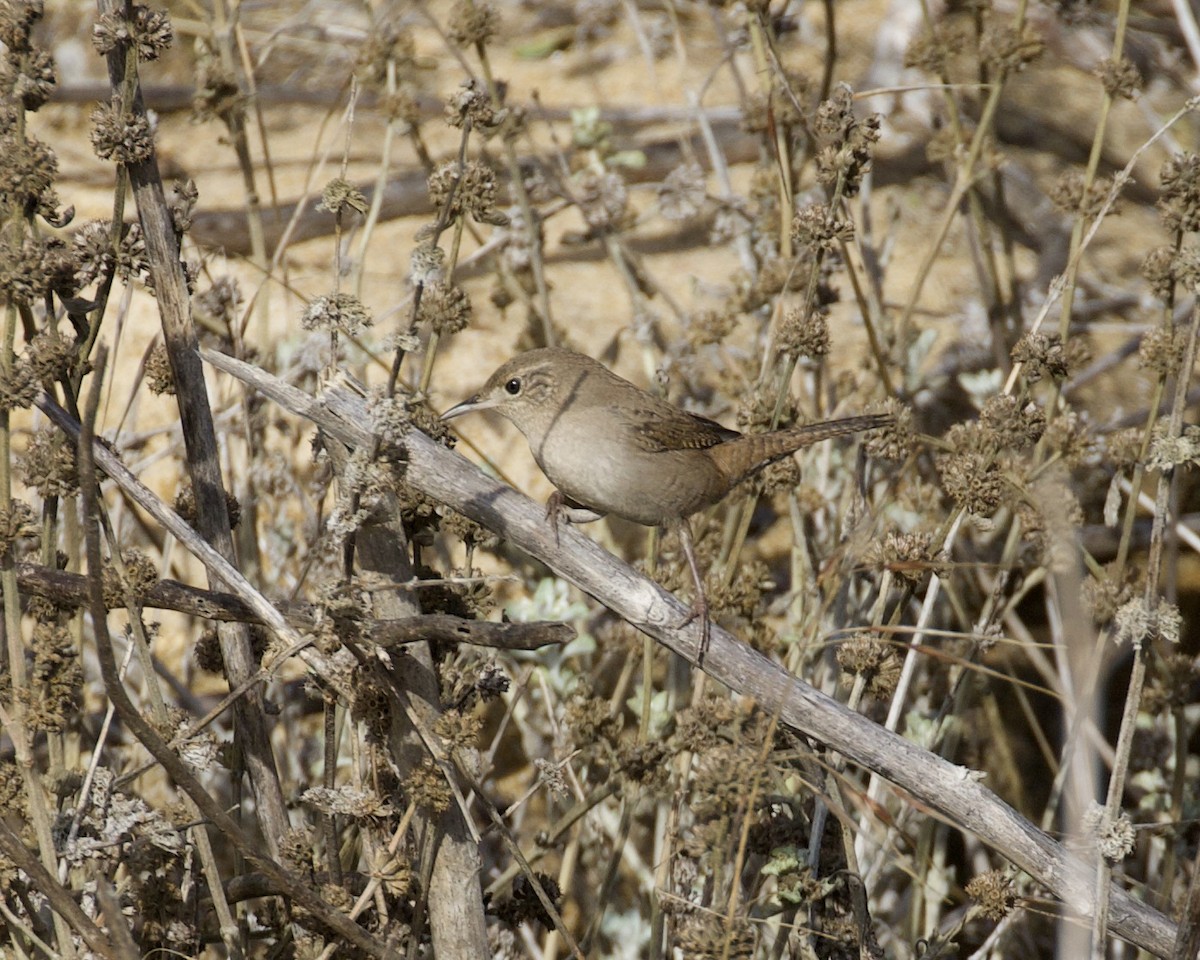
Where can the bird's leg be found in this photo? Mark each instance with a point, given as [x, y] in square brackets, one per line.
[554, 504]
[558, 507]
[700, 601]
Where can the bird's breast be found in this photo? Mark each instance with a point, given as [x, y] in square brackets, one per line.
[602, 467]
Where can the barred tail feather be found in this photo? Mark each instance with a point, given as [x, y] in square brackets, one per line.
[748, 454]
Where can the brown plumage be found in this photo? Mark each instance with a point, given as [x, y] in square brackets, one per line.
[611, 447]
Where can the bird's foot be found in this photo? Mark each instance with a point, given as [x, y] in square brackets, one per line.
[559, 508]
[699, 612]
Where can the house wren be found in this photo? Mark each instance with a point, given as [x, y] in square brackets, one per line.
[611, 447]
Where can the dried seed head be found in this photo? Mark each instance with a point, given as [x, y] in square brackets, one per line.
[27, 77]
[1162, 348]
[207, 652]
[458, 729]
[52, 357]
[719, 779]
[472, 23]
[743, 596]
[18, 385]
[56, 679]
[140, 576]
[23, 274]
[1009, 50]
[710, 326]
[1187, 267]
[1070, 195]
[1067, 434]
[340, 195]
[896, 441]
[933, 50]
[159, 376]
[1179, 205]
[1103, 595]
[602, 197]
[60, 265]
[17, 18]
[525, 905]
[48, 465]
[846, 142]
[401, 108]
[386, 42]
[125, 138]
[646, 764]
[993, 894]
[1141, 623]
[1042, 354]
[781, 478]
[185, 505]
[776, 275]
[778, 824]
[1013, 428]
[816, 226]
[1166, 453]
[27, 171]
[805, 333]
[1123, 448]
[1114, 839]
[1158, 269]
[972, 481]
[756, 412]
[148, 31]
[427, 787]
[1121, 78]
[910, 556]
[17, 521]
[682, 193]
[218, 305]
[590, 719]
[706, 937]
[468, 531]
[217, 91]
[371, 704]
[428, 264]
[347, 801]
[867, 656]
[472, 102]
[470, 190]
[445, 307]
[336, 311]
[97, 259]
[12, 789]
[1173, 681]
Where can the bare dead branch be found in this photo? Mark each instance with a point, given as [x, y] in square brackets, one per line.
[70, 589]
[953, 792]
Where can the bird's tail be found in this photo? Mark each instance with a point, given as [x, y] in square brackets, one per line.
[745, 456]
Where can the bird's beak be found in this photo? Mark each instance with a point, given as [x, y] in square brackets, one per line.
[469, 405]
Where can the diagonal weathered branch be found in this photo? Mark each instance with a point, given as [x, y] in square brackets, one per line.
[951, 791]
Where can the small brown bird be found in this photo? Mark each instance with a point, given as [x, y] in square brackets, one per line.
[611, 447]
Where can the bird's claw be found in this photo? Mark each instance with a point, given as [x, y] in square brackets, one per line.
[559, 508]
[699, 612]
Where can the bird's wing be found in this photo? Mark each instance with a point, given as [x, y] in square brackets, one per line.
[665, 427]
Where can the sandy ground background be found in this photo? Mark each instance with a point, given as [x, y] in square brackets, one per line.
[644, 59]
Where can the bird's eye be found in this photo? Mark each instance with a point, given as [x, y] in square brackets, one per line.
[513, 387]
